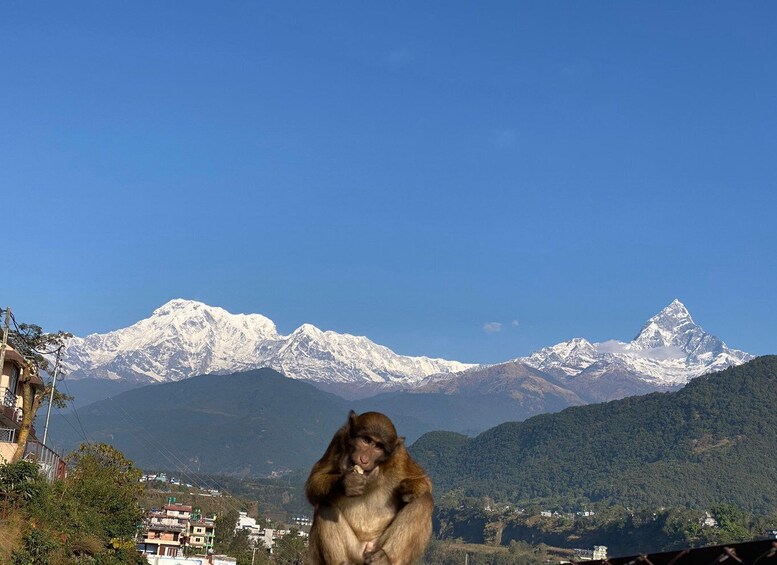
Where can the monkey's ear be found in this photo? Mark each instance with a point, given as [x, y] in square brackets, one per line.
[400, 441]
[352, 418]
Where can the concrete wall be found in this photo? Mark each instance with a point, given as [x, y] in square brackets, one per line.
[6, 451]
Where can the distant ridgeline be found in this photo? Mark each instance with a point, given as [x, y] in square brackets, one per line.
[714, 441]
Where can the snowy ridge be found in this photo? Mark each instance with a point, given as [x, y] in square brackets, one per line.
[669, 350]
[185, 338]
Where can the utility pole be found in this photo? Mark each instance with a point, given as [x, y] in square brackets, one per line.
[51, 398]
[5, 337]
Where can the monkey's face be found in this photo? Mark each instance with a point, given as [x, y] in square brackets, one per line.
[367, 452]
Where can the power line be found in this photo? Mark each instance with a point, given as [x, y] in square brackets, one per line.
[73, 408]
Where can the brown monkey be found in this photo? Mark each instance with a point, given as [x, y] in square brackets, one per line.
[373, 503]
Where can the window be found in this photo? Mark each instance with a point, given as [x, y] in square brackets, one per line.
[14, 379]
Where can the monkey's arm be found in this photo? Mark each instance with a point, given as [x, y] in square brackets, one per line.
[405, 539]
[415, 483]
[324, 480]
[323, 485]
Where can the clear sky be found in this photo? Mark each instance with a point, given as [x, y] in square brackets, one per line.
[468, 180]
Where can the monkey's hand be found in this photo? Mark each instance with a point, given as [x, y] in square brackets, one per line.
[377, 558]
[354, 484]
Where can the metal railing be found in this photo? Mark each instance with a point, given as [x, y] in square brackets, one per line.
[51, 465]
[7, 435]
[7, 398]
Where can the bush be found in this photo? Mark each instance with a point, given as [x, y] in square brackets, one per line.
[38, 548]
[22, 480]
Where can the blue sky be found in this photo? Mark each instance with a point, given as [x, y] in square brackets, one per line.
[407, 171]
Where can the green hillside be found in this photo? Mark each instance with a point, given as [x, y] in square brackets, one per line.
[247, 423]
[714, 441]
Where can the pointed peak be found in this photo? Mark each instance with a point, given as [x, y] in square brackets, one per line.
[676, 305]
[672, 314]
[308, 329]
[672, 326]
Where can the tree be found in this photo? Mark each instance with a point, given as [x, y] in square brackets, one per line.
[225, 530]
[91, 516]
[732, 523]
[31, 342]
[102, 492]
[21, 480]
[290, 549]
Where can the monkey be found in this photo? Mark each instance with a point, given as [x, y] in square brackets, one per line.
[373, 503]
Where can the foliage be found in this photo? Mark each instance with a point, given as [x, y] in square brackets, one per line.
[21, 480]
[103, 491]
[454, 553]
[245, 410]
[235, 543]
[38, 549]
[93, 514]
[290, 549]
[32, 343]
[713, 442]
[624, 531]
[225, 530]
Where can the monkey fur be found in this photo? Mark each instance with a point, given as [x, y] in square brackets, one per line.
[381, 516]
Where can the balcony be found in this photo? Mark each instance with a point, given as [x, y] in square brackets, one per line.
[163, 527]
[8, 404]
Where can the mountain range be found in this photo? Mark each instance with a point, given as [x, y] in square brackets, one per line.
[712, 442]
[184, 338]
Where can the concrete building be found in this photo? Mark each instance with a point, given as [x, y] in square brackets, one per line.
[169, 531]
[51, 465]
[202, 531]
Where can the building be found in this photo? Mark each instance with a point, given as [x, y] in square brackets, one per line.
[599, 552]
[256, 534]
[50, 463]
[302, 521]
[202, 531]
[11, 402]
[165, 532]
[259, 536]
[169, 531]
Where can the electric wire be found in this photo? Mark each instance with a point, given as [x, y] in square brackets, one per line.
[179, 466]
[75, 412]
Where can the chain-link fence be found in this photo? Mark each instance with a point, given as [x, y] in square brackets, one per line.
[749, 553]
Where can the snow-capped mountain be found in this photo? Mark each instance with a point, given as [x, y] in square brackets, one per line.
[185, 338]
[669, 351]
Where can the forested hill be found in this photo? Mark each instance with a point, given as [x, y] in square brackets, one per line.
[247, 423]
[713, 441]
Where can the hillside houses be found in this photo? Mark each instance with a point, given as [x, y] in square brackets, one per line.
[175, 528]
[259, 536]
